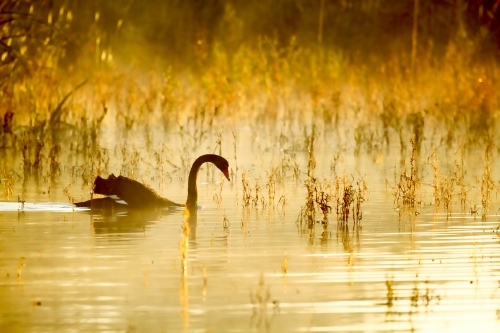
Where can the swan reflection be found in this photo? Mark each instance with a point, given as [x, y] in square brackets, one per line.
[109, 217]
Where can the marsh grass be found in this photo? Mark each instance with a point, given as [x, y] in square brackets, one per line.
[309, 210]
[262, 198]
[52, 109]
[271, 190]
[250, 76]
[407, 185]
[247, 194]
[8, 184]
[321, 196]
[463, 189]
[487, 183]
[349, 200]
[385, 111]
[457, 188]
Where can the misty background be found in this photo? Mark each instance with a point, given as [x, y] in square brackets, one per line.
[184, 34]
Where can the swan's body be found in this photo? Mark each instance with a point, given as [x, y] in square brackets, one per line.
[139, 196]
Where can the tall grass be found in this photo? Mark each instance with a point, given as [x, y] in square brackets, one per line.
[234, 72]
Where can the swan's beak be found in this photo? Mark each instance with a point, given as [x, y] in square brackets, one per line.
[226, 173]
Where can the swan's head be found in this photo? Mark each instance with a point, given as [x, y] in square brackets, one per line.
[223, 166]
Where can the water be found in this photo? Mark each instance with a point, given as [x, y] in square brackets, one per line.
[250, 270]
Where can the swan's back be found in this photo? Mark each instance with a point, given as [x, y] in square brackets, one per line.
[135, 194]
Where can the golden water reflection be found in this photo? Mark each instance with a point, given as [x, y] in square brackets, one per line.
[236, 270]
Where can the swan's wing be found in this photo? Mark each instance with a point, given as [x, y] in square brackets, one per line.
[107, 203]
[106, 186]
[135, 194]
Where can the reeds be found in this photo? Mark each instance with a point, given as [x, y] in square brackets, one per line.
[265, 83]
[487, 183]
[247, 194]
[309, 210]
[349, 200]
[320, 196]
[454, 187]
[8, 184]
[407, 184]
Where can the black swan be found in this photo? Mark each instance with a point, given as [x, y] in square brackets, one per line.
[139, 196]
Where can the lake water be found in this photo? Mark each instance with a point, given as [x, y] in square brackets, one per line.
[255, 268]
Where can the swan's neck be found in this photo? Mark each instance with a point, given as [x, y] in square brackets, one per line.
[192, 197]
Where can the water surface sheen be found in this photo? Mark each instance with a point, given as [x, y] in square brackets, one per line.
[247, 269]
